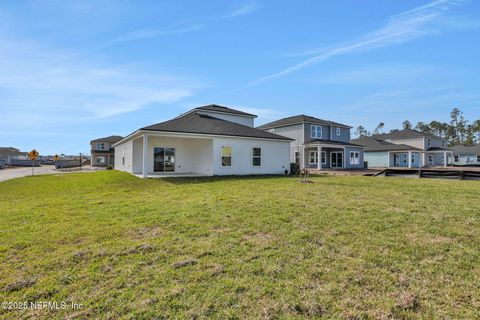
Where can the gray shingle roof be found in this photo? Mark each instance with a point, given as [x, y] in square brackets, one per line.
[330, 142]
[373, 144]
[438, 149]
[204, 124]
[466, 149]
[218, 108]
[111, 139]
[299, 119]
[404, 134]
[10, 151]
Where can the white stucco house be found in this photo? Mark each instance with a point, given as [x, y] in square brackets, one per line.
[208, 140]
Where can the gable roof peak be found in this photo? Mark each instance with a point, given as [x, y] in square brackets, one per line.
[300, 118]
[223, 109]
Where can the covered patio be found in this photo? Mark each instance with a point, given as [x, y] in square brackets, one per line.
[325, 154]
[158, 155]
[437, 157]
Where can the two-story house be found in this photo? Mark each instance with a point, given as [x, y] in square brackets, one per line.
[318, 143]
[207, 140]
[103, 153]
[406, 148]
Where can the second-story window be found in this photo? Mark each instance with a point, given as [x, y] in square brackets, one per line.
[100, 146]
[316, 131]
[429, 142]
[338, 131]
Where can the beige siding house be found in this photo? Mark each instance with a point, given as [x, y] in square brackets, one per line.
[102, 151]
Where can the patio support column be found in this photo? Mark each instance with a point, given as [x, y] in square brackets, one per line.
[145, 155]
[409, 159]
[343, 158]
[319, 162]
[445, 162]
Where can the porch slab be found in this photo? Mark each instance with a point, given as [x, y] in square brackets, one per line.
[172, 175]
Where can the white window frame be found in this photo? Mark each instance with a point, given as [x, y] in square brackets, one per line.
[354, 157]
[222, 156]
[430, 159]
[478, 158]
[256, 157]
[338, 131]
[313, 154]
[456, 158]
[100, 162]
[100, 146]
[314, 130]
[413, 158]
[405, 157]
[324, 157]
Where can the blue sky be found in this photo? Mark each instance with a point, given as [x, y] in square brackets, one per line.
[71, 71]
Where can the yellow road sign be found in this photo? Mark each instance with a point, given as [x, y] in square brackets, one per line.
[32, 155]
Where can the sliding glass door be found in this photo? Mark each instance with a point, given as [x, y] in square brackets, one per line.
[163, 159]
[336, 159]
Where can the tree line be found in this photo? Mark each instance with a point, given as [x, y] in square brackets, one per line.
[458, 131]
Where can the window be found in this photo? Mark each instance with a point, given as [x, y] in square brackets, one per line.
[455, 158]
[478, 158]
[338, 131]
[226, 156]
[271, 130]
[430, 159]
[297, 157]
[324, 157]
[429, 142]
[443, 143]
[257, 157]
[316, 131]
[405, 157]
[413, 157]
[313, 157]
[100, 146]
[354, 157]
[100, 160]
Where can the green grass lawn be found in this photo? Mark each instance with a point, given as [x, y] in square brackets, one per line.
[256, 247]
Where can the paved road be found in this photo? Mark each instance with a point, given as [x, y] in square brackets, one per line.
[18, 172]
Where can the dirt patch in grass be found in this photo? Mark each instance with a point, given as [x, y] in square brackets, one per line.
[184, 263]
[19, 285]
[144, 232]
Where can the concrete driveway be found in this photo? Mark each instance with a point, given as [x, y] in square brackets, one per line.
[18, 172]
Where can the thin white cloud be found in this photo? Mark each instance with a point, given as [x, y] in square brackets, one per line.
[242, 10]
[42, 87]
[380, 74]
[152, 33]
[400, 28]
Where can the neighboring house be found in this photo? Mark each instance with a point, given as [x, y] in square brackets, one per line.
[103, 153]
[382, 154]
[208, 140]
[7, 154]
[466, 155]
[318, 143]
[434, 151]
